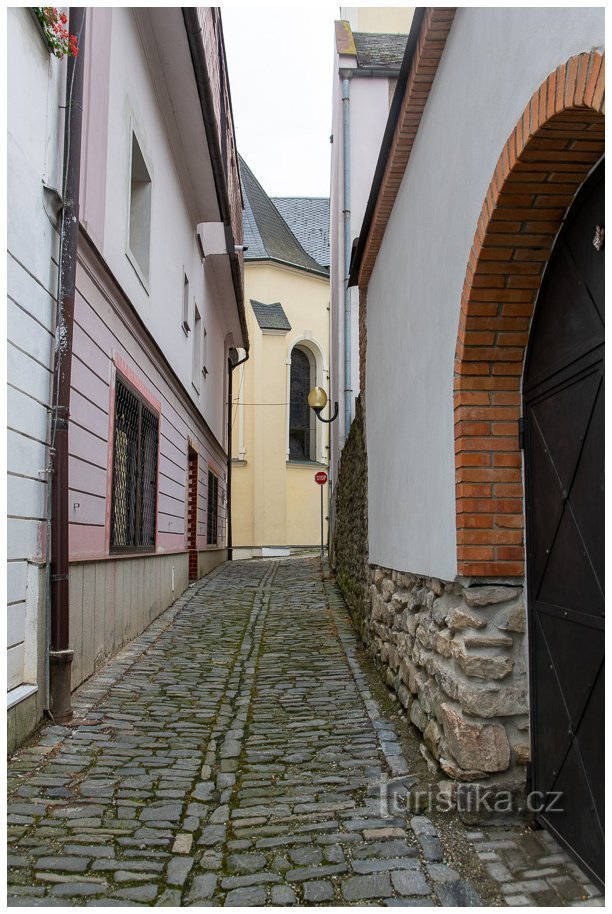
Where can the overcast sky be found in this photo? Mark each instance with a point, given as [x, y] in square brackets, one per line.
[280, 62]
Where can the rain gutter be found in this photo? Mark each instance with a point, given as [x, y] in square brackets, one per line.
[198, 59]
[232, 363]
[59, 655]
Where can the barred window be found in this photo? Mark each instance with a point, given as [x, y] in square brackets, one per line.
[134, 472]
[213, 501]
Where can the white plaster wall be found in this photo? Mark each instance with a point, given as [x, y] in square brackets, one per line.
[369, 109]
[133, 105]
[35, 92]
[494, 60]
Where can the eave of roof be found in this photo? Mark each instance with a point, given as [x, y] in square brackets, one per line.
[430, 24]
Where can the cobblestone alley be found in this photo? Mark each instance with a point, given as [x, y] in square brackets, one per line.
[234, 755]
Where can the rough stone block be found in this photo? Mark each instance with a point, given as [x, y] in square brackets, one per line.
[512, 619]
[492, 701]
[442, 643]
[418, 716]
[482, 747]
[432, 735]
[522, 753]
[481, 667]
[459, 618]
[488, 641]
[488, 595]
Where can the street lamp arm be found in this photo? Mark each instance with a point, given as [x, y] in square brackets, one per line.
[331, 418]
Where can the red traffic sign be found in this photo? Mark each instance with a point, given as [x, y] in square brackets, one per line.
[321, 478]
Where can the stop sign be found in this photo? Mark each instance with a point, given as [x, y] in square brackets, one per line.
[321, 478]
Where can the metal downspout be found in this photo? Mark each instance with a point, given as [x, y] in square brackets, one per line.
[346, 155]
[231, 365]
[60, 655]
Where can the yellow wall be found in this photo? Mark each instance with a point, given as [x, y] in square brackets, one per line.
[275, 502]
[390, 19]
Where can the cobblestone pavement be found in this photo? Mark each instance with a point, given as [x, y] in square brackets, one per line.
[234, 754]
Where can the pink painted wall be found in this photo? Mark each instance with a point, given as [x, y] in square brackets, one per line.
[105, 342]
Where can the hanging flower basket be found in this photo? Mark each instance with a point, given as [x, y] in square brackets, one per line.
[53, 24]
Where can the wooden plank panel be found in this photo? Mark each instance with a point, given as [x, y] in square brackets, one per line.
[109, 609]
[89, 592]
[100, 614]
[76, 622]
[119, 605]
[134, 606]
[142, 616]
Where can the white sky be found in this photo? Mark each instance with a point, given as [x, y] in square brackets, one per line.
[280, 63]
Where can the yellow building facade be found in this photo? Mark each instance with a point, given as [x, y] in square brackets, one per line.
[278, 445]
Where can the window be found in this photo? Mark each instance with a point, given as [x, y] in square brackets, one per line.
[301, 438]
[196, 366]
[140, 210]
[213, 500]
[186, 326]
[134, 472]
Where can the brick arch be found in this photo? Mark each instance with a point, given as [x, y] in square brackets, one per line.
[555, 144]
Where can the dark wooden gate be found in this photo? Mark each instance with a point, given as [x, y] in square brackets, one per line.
[564, 467]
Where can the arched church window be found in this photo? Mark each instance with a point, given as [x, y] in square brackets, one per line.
[299, 412]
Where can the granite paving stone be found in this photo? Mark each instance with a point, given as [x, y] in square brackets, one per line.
[234, 754]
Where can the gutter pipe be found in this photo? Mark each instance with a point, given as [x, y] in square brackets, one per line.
[198, 59]
[60, 655]
[231, 364]
[346, 167]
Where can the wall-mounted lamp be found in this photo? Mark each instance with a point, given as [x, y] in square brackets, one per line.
[317, 400]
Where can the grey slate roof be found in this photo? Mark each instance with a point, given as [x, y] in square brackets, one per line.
[266, 233]
[270, 317]
[308, 219]
[379, 50]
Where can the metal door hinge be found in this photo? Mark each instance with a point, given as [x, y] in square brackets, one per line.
[598, 239]
[521, 433]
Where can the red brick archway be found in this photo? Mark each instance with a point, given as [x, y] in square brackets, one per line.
[555, 144]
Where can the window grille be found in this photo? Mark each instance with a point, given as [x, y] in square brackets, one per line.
[299, 418]
[134, 472]
[212, 515]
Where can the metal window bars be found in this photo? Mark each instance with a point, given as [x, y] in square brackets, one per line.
[134, 507]
[212, 514]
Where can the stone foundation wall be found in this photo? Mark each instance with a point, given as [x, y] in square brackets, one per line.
[350, 534]
[456, 656]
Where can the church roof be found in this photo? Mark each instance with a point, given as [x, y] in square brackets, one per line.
[308, 219]
[269, 235]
